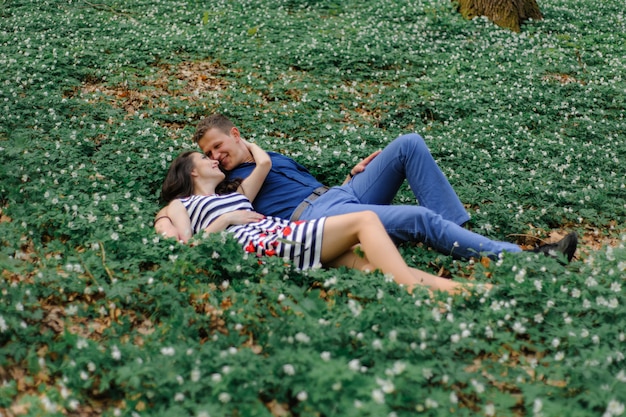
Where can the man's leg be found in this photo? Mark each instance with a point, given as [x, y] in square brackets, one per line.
[408, 157]
[416, 224]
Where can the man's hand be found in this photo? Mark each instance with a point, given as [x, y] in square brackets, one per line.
[360, 167]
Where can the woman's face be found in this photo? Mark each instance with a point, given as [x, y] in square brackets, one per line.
[205, 167]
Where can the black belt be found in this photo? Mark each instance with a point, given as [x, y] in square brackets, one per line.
[307, 201]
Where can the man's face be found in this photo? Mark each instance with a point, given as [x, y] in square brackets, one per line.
[227, 149]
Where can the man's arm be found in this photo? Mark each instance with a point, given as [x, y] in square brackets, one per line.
[360, 167]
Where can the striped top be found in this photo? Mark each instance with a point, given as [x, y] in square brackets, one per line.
[300, 241]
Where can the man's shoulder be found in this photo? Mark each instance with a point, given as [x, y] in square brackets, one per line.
[278, 155]
[278, 160]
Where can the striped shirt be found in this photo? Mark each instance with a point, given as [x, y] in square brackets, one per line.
[301, 241]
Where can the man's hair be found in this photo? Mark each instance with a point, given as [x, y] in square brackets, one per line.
[216, 120]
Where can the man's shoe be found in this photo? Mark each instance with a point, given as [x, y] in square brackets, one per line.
[566, 246]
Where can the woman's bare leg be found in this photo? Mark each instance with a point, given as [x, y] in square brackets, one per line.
[433, 282]
[342, 232]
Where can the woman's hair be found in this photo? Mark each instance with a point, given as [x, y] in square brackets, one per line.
[228, 186]
[178, 182]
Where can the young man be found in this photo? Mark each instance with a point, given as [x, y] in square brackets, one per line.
[291, 192]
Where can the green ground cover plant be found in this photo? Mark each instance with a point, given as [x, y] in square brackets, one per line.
[100, 316]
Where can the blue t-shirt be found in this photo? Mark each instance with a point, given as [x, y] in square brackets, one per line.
[286, 185]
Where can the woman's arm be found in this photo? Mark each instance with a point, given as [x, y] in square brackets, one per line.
[164, 225]
[233, 217]
[252, 184]
[173, 221]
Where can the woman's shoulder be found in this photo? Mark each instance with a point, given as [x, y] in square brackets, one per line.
[234, 196]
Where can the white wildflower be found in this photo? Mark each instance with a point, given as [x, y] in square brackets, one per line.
[385, 385]
[537, 406]
[478, 386]
[115, 353]
[354, 365]
[615, 408]
[378, 396]
[81, 343]
[195, 375]
[430, 403]
[454, 399]
[302, 337]
[355, 307]
[289, 369]
[519, 328]
[168, 351]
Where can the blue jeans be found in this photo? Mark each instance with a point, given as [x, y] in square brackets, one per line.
[437, 219]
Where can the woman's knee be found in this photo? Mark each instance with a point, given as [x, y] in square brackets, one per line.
[357, 222]
[367, 217]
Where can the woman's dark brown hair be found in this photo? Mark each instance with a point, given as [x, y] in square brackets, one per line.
[178, 182]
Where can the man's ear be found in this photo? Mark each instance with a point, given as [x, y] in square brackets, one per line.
[234, 133]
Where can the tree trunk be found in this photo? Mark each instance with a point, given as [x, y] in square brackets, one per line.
[508, 14]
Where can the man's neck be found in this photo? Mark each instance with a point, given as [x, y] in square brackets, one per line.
[249, 158]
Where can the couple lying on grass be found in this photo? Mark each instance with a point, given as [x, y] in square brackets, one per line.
[234, 181]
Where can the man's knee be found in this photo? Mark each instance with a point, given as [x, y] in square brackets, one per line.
[412, 139]
[412, 144]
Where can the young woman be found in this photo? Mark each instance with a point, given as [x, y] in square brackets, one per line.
[199, 200]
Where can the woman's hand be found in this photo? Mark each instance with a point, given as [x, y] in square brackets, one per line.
[234, 217]
[263, 163]
[243, 217]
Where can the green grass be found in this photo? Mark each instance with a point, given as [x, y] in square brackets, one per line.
[101, 317]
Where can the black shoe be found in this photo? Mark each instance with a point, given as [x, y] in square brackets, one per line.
[566, 246]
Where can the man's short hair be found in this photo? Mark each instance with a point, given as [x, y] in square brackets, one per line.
[216, 120]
